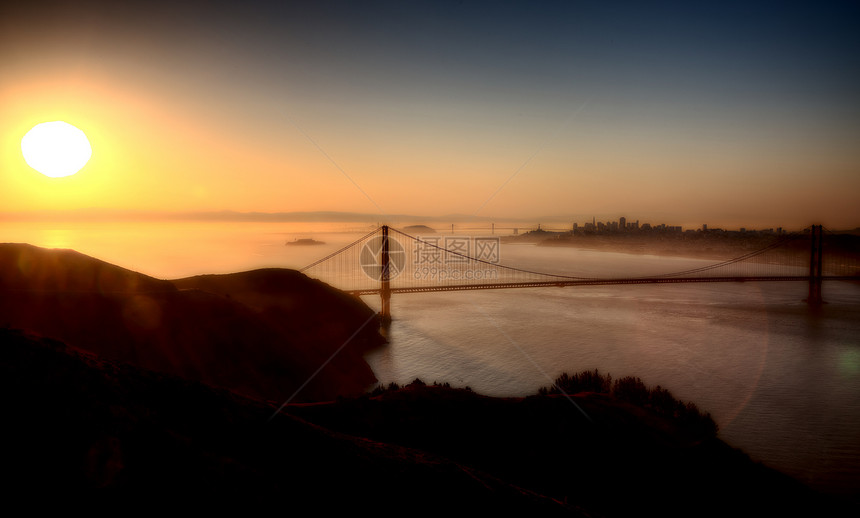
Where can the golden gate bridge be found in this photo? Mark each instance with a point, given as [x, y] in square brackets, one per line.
[388, 261]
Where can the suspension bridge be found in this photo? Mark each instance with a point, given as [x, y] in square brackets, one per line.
[388, 261]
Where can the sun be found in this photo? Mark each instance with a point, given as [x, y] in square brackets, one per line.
[56, 149]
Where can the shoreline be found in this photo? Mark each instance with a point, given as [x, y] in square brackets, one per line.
[137, 431]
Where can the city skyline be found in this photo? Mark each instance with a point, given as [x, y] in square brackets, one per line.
[737, 114]
[555, 222]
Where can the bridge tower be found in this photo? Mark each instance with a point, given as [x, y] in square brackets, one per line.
[385, 288]
[815, 253]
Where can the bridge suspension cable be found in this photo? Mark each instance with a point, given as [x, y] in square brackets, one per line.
[781, 243]
[341, 251]
[408, 263]
[488, 263]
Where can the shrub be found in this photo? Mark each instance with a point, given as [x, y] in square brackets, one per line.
[634, 391]
[585, 381]
[381, 389]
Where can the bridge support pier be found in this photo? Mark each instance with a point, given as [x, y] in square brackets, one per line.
[815, 252]
[385, 287]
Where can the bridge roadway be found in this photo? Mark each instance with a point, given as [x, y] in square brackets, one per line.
[594, 282]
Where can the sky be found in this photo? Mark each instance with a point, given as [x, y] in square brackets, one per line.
[726, 113]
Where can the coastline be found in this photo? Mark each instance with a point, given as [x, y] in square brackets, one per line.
[100, 423]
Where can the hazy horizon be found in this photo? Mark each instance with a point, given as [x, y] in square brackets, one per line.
[554, 221]
[732, 114]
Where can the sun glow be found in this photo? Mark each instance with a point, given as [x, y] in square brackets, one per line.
[56, 149]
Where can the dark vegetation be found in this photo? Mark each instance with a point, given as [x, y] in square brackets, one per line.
[601, 455]
[634, 391]
[393, 387]
[72, 421]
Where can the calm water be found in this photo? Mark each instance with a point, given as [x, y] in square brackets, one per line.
[783, 383]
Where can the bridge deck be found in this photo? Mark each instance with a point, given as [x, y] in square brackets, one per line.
[596, 282]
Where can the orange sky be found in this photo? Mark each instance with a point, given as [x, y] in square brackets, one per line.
[183, 116]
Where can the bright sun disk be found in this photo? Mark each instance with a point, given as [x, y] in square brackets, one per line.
[56, 149]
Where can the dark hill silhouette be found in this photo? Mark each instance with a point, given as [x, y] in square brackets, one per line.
[28, 267]
[622, 460]
[266, 349]
[308, 311]
[73, 420]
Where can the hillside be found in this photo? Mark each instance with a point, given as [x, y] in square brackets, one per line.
[74, 421]
[313, 316]
[620, 460]
[262, 334]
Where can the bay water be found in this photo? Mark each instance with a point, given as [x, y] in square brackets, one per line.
[781, 380]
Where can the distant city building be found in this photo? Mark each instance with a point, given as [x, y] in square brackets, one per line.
[623, 225]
